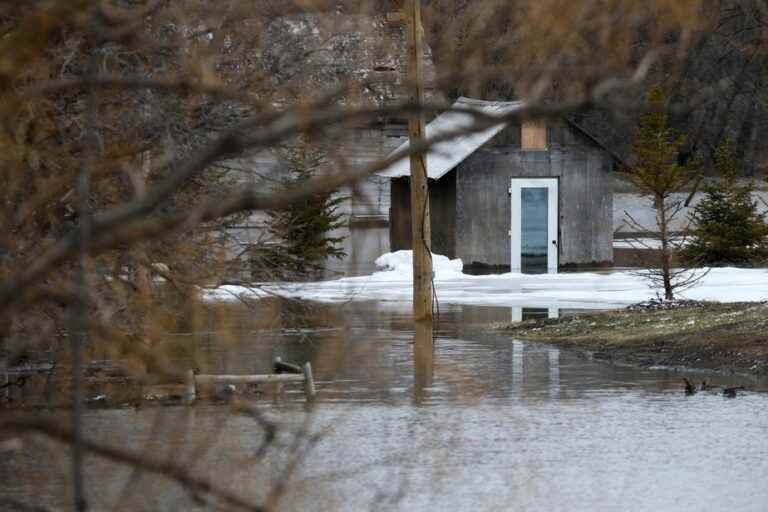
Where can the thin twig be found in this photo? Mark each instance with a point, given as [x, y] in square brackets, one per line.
[52, 429]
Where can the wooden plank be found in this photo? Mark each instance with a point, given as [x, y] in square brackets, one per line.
[534, 134]
[26, 369]
[247, 379]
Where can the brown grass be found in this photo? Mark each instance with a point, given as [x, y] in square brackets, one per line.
[723, 337]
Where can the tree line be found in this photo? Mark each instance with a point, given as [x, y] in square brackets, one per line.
[726, 228]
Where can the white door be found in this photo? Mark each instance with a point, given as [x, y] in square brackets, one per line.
[534, 225]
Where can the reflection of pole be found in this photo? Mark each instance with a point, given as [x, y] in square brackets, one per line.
[517, 365]
[420, 219]
[423, 360]
[554, 372]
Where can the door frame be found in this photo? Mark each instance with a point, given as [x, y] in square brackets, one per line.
[553, 216]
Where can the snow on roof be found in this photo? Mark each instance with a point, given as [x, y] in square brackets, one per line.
[445, 155]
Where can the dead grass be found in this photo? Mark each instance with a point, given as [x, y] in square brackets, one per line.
[724, 337]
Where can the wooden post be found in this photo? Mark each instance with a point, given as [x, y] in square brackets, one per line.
[206, 380]
[420, 219]
[309, 382]
[279, 385]
[190, 391]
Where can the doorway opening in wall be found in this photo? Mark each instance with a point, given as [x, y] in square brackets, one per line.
[533, 231]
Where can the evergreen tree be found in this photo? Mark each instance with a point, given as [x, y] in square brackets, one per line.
[658, 174]
[728, 229]
[300, 234]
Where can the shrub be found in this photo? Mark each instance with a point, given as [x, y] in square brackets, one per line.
[658, 174]
[728, 228]
[300, 234]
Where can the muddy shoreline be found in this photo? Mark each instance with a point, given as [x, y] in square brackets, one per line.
[725, 338]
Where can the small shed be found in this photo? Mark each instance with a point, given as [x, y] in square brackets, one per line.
[530, 196]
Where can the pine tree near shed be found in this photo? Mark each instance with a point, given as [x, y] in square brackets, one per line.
[658, 174]
[300, 234]
[728, 228]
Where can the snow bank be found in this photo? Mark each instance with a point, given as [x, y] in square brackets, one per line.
[401, 262]
[566, 290]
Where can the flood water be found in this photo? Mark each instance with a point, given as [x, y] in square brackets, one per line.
[471, 420]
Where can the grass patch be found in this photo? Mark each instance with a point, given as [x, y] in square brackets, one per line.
[724, 337]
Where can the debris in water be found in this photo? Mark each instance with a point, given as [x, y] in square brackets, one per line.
[690, 389]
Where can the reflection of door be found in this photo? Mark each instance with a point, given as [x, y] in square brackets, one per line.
[534, 225]
[520, 314]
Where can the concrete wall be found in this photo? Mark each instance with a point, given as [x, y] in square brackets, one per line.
[483, 206]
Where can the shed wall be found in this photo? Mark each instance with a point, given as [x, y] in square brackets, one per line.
[442, 204]
[586, 203]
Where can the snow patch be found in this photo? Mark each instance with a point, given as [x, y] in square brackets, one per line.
[577, 290]
[401, 262]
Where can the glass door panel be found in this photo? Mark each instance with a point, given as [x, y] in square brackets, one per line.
[534, 225]
[535, 233]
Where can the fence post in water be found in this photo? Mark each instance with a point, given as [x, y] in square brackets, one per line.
[304, 376]
[309, 382]
[190, 393]
[279, 385]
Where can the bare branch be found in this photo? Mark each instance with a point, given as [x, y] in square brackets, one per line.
[165, 468]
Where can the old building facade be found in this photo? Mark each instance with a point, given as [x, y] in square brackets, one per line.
[526, 196]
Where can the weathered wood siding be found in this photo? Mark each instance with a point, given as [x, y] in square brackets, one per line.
[367, 200]
[371, 196]
[442, 204]
[483, 207]
[534, 135]
[400, 215]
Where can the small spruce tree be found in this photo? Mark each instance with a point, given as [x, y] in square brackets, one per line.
[300, 234]
[728, 228]
[658, 174]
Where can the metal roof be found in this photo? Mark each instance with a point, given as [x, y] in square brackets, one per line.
[445, 155]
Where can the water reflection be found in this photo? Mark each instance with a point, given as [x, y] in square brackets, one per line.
[517, 366]
[535, 367]
[554, 372]
[423, 360]
[468, 419]
[366, 351]
[520, 314]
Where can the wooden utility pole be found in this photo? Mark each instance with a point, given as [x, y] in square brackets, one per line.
[421, 242]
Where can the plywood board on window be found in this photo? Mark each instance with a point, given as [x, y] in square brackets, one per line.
[534, 134]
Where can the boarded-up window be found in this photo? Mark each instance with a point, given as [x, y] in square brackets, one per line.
[396, 18]
[534, 135]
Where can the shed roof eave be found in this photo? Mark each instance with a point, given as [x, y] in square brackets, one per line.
[447, 154]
